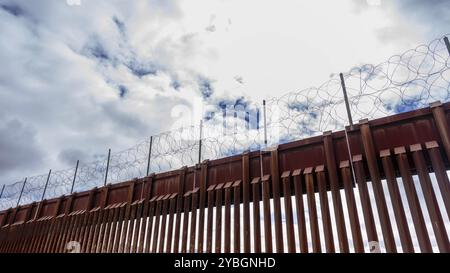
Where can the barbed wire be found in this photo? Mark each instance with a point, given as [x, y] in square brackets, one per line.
[404, 82]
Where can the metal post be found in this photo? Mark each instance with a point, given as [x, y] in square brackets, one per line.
[46, 184]
[20, 196]
[347, 106]
[200, 142]
[447, 44]
[265, 122]
[74, 177]
[149, 155]
[107, 166]
[1, 193]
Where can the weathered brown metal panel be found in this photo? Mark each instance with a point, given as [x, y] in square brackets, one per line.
[120, 217]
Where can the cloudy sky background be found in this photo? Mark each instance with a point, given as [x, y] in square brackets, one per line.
[76, 80]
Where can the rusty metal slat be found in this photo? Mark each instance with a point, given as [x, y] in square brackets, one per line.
[172, 203]
[151, 213]
[156, 228]
[114, 228]
[101, 231]
[187, 197]
[365, 199]
[22, 236]
[85, 235]
[237, 216]
[209, 221]
[78, 227]
[146, 194]
[18, 235]
[104, 238]
[126, 219]
[93, 225]
[119, 233]
[57, 233]
[351, 206]
[218, 231]
[285, 176]
[380, 200]
[107, 235]
[143, 225]
[37, 229]
[440, 172]
[48, 236]
[65, 233]
[82, 230]
[45, 234]
[22, 233]
[245, 199]
[331, 165]
[324, 208]
[301, 222]
[413, 200]
[256, 215]
[276, 200]
[181, 181]
[399, 210]
[137, 226]
[110, 243]
[227, 239]
[66, 222]
[162, 234]
[74, 228]
[430, 199]
[14, 238]
[267, 216]
[313, 221]
[57, 225]
[131, 225]
[202, 200]
[97, 231]
[193, 230]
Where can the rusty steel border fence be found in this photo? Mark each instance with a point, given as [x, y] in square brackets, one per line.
[328, 193]
[404, 82]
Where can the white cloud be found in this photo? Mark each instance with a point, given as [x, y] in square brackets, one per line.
[65, 66]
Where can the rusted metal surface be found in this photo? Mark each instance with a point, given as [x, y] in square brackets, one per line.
[173, 211]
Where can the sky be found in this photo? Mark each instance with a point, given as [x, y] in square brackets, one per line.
[80, 76]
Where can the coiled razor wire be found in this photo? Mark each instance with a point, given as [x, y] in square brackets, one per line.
[404, 82]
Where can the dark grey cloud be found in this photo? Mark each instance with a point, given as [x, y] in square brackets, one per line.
[12, 9]
[19, 148]
[71, 155]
